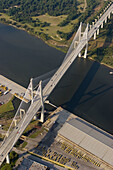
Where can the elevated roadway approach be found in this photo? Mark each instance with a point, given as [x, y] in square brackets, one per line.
[14, 88]
[36, 104]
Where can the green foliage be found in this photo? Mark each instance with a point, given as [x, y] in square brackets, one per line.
[6, 167]
[36, 7]
[24, 144]
[7, 107]
[44, 36]
[13, 158]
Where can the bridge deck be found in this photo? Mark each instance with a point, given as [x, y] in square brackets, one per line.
[16, 89]
[35, 106]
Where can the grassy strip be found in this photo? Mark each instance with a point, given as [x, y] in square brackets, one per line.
[35, 134]
[7, 107]
[24, 144]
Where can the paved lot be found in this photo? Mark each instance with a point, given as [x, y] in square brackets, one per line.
[5, 98]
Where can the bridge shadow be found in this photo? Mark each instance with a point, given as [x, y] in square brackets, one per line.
[87, 80]
[49, 138]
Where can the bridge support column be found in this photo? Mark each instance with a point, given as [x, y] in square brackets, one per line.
[106, 20]
[42, 102]
[98, 17]
[95, 20]
[93, 23]
[90, 26]
[22, 112]
[15, 122]
[98, 32]
[102, 25]
[7, 159]
[94, 35]
[79, 55]
[85, 53]
[35, 117]
[109, 16]
[31, 81]
[86, 35]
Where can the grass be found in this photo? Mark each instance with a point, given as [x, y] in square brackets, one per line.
[35, 134]
[53, 28]
[30, 127]
[7, 107]
[24, 144]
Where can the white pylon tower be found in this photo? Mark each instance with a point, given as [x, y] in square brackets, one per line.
[39, 96]
[86, 37]
[42, 102]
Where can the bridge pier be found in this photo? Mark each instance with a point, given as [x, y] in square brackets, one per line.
[93, 23]
[15, 122]
[106, 20]
[109, 16]
[35, 117]
[85, 53]
[95, 20]
[102, 25]
[98, 32]
[42, 104]
[79, 55]
[95, 36]
[7, 159]
[90, 26]
[31, 82]
[22, 112]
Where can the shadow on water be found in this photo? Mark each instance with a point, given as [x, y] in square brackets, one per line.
[83, 94]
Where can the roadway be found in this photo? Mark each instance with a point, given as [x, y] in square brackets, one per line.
[35, 106]
[15, 88]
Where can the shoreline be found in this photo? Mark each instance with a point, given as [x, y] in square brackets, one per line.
[101, 63]
[50, 44]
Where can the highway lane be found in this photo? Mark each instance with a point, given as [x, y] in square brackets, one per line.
[17, 132]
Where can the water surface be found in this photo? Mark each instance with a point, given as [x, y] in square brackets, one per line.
[86, 89]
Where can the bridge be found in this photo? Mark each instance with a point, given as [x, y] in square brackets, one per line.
[40, 94]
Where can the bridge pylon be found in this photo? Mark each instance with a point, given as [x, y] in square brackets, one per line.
[39, 96]
[7, 159]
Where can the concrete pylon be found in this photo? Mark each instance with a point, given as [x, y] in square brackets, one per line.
[85, 53]
[42, 103]
[106, 20]
[15, 122]
[93, 23]
[31, 82]
[86, 36]
[102, 25]
[90, 26]
[80, 33]
[94, 35]
[35, 117]
[7, 159]
[109, 16]
[22, 112]
[79, 55]
[98, 31]
[95, 20]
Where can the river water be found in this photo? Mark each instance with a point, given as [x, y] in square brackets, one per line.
[86, 89]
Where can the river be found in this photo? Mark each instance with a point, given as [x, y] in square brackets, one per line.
[86, 89]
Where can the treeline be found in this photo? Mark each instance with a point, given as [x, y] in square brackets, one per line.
[28, 8]
[73, 15]
[84, 18]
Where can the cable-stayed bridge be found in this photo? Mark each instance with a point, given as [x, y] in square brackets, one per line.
[41, 91]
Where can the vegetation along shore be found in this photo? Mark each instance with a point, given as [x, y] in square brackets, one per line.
[56, 23]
